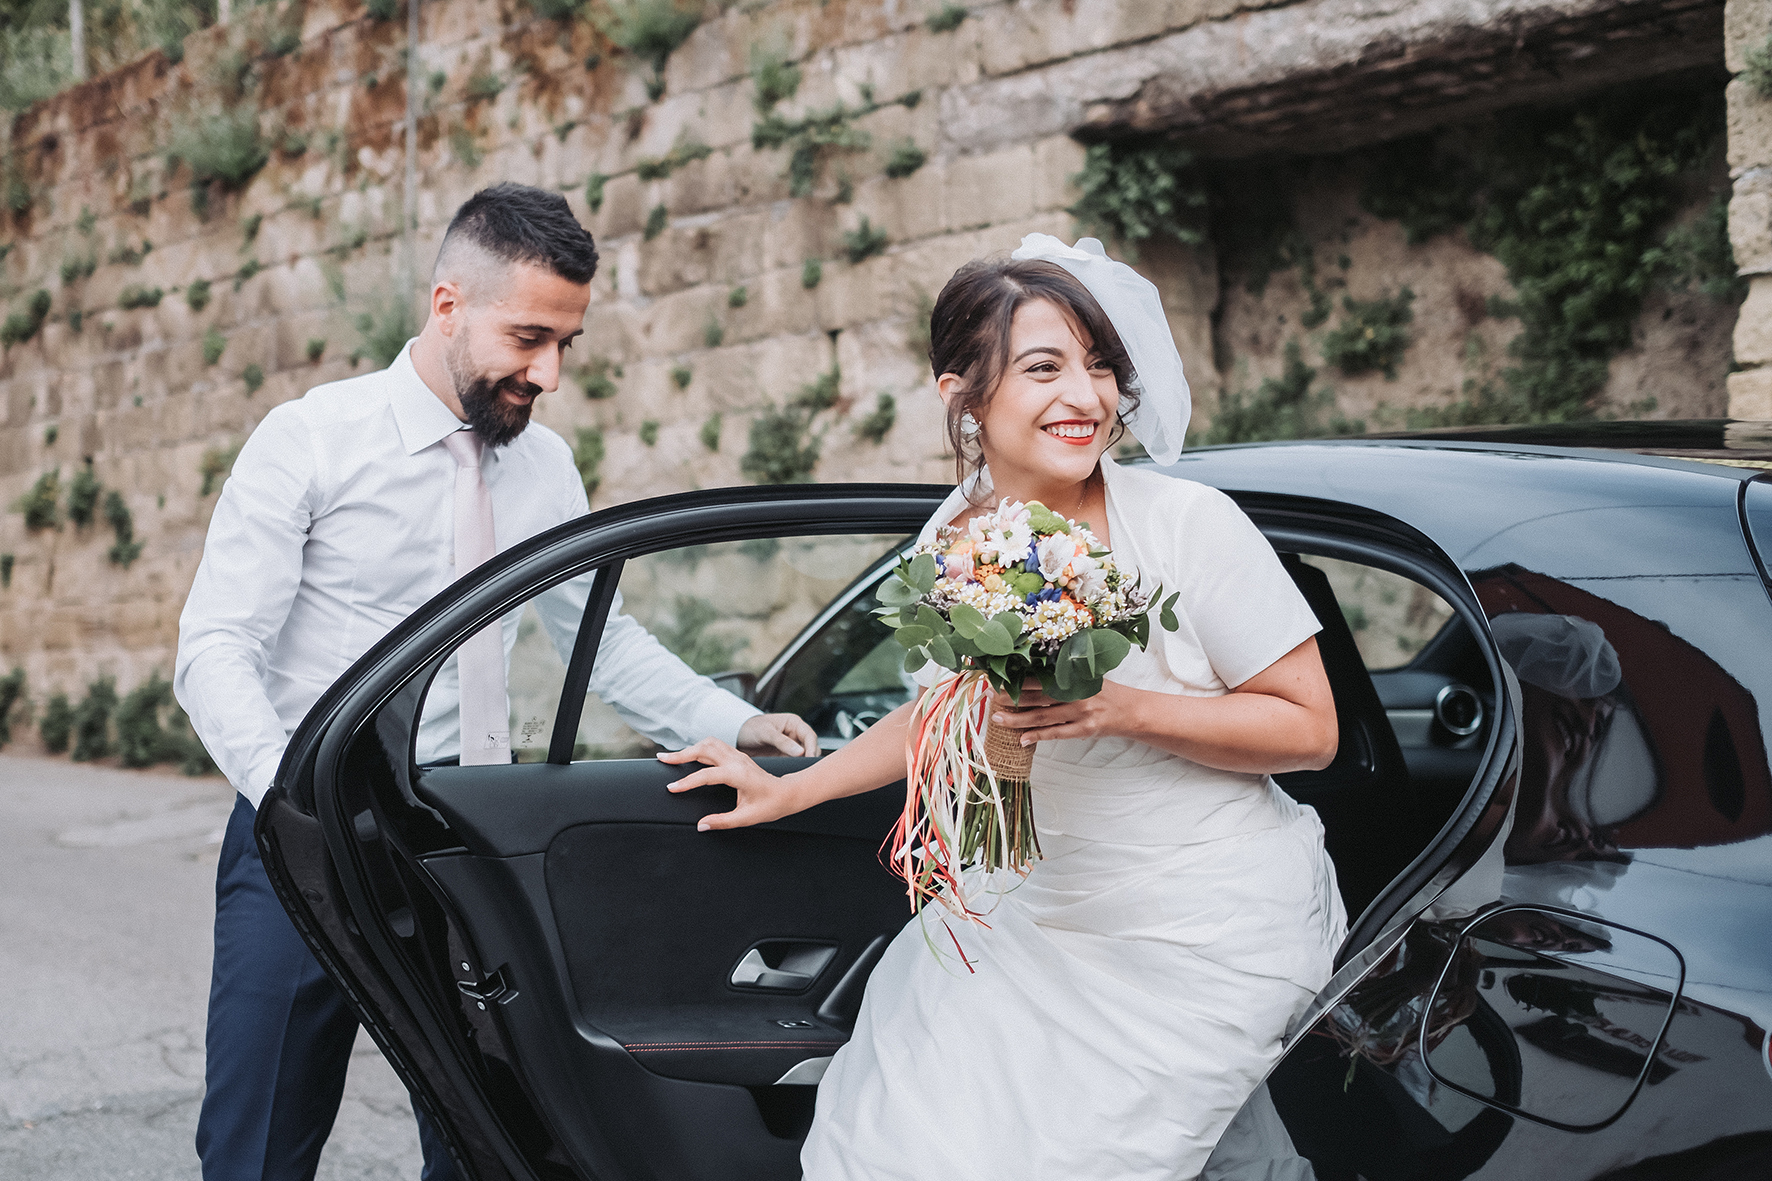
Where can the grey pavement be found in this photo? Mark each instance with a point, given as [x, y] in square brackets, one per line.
[107, 894]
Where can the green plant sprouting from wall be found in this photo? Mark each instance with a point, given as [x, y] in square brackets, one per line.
[1284, 407]
[686, 150]
[126, 549]
[214, 467]
[863, 242]
[688, 635]
[214, 345]
[22, 325]
[811, 273]
[817, 135]
[1372, 334]
[783, 448]
[904, 158]
[12, 697]
[384, 330]
[197, 294]
[1758, 71]
[947, 18]
[136, 296]
[57, 724]
[1134, 190]
[879, 421]
[143, 739]
[597, 378]
[587, 453]
[254, 377]
[41, 505]
[1573, 202]
[774, 78]
[83, 494]
[651, 30]
[710, 432]
[1698, 254]
[91, 721]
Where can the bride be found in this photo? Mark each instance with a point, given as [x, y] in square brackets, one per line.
[1127, 997]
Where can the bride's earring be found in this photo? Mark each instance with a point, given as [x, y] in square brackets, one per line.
[968, 425]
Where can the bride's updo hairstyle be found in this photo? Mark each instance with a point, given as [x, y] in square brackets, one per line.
[969, 336]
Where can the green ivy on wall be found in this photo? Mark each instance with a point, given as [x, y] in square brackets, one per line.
[1574, 203]
[1135, 189]
[1284, 407]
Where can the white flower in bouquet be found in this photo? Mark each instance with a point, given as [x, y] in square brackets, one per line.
[1056, 554]
[1003, 537]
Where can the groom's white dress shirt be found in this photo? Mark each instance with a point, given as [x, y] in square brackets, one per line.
[336, 523]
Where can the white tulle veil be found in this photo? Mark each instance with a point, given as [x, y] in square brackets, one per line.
[1132, 304]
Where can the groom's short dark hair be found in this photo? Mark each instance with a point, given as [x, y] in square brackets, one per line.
[523, 224]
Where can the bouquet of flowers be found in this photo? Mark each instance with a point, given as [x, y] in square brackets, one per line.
[1017, 594]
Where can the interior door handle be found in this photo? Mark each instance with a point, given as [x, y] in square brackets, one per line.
[752, 972]
[796, 966]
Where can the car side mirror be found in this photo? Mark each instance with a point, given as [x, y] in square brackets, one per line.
[1553, 1016]
[738, 683]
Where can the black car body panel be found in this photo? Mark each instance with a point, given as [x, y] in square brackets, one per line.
[478, 917]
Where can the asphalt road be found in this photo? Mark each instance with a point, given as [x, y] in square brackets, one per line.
[107, 895]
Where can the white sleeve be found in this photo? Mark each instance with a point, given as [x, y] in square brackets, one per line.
[245, 584]
[1244, 608]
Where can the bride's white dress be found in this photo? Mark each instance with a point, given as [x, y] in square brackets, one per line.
[1131, 992]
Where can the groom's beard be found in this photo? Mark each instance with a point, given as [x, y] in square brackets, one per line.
[494, 420]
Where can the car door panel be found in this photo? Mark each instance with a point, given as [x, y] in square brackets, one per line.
[547, 951]
[652, 917]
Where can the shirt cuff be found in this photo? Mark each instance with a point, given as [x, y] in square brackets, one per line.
[723, 715]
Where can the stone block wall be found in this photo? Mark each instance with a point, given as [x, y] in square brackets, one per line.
[1748, 28]
[311, 245]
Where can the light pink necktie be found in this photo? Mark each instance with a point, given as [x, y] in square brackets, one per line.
[480, 661]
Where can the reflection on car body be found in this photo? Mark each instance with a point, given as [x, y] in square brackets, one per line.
[1551, 813]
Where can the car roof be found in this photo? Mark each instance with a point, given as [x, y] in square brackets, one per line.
[1480, 498]
[1720, 441]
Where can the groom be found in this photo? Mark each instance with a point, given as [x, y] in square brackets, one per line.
[347, 508]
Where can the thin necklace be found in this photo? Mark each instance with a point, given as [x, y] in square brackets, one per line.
[1083, 495]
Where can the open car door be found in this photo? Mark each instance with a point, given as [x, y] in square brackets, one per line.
[577, 984]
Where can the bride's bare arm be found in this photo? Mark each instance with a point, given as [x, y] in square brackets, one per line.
[872, 759]
[1281, 719]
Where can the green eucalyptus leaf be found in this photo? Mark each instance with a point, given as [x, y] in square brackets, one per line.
[1011, 622]
[966, 620]
[896, 592]
[930, 618]
[964, 647]
[942, 653]
[914, 660]
[993, 639]
[1170, 623]
[1077, 690]
[923, 573]
[913, 636]
[1107, 649]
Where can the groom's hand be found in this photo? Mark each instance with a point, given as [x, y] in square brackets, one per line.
[778, 734]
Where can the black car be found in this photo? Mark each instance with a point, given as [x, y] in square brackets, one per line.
[1558, 964]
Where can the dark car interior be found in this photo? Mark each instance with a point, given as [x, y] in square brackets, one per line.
[633, 994]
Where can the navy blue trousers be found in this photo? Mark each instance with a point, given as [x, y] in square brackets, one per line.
[279, 1036]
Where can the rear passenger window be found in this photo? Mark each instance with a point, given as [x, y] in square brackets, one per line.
[1391, 617]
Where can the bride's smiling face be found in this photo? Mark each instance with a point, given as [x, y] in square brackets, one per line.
[1052, 413]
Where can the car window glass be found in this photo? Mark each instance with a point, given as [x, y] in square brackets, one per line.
[538, 638]
[728, 609]
[1392, 617]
